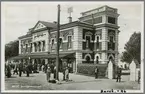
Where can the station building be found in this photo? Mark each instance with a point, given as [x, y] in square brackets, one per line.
[93, 39]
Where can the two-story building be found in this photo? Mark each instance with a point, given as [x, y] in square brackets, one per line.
[93, 39]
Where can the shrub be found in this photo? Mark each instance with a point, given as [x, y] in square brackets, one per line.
[88, 69]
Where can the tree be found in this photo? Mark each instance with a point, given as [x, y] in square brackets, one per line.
[132, 48]
[11, 49]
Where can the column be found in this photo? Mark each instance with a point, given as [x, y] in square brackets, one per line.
[116, 46]
[33, 61]
[41, 46]
[46, 61]
[104, 44]
[78, 59]
[37, 46]
[19, 46]
[104, 19]
[104, 38]
[77, 44]
[33, 47]
[47, 48]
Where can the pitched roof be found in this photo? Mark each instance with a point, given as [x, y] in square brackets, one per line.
[48, 24]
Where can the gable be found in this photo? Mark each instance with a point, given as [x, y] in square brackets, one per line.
[39, 26]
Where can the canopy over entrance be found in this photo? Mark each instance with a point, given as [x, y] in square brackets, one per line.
[44, 56]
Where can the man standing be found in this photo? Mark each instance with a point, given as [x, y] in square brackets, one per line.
[67, 73]
[20, 68]
[15, 69]
[96, 72]
[55, 72]
[27, 69]
[119, 71]
[9, 70]
[48, 73]
[64, 73]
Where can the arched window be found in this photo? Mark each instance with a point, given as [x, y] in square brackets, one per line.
[52, 43]
[88, 59]
[88, 39]
[97, 59]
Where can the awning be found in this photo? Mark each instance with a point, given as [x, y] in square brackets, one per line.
[44, 56]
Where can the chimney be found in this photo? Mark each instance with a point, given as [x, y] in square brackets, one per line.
[70, 19]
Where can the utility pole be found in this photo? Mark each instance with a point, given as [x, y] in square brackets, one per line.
[57, 50]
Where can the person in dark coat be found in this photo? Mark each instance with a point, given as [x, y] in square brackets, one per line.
[15, 69]
[54, 72]
[138, 76]
[48, 73]
[96, 72]
[64, 73]
[8, 70]
[20, 69]
[28, 69]
[67, 73]
[119, 71]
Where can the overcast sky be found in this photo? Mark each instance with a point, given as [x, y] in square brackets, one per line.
[18, 17]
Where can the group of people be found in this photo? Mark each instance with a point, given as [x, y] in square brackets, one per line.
[18, 69]
[52, 70]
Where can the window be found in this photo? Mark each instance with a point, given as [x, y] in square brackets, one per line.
[39, 46]
[60, 42]
[87, 59]
[88, 42]
[97, 43]
[35, 45]
[31, 47]
[111, 20]
[52, 43]
[43, 48]
[96, 20]
[111, 38]
[111, 44]
[22, 49]
[97, 60]
[26, 47]
[69, 41]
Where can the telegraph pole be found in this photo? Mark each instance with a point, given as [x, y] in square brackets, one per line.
[57, 50]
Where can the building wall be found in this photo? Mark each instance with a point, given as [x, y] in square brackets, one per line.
[25, 45]
[40, 37]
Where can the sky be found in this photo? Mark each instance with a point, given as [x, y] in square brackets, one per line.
[18, 17]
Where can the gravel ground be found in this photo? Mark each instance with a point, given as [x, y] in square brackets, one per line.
[77, 82]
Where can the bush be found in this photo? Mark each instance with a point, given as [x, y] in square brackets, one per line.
[88, 69]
